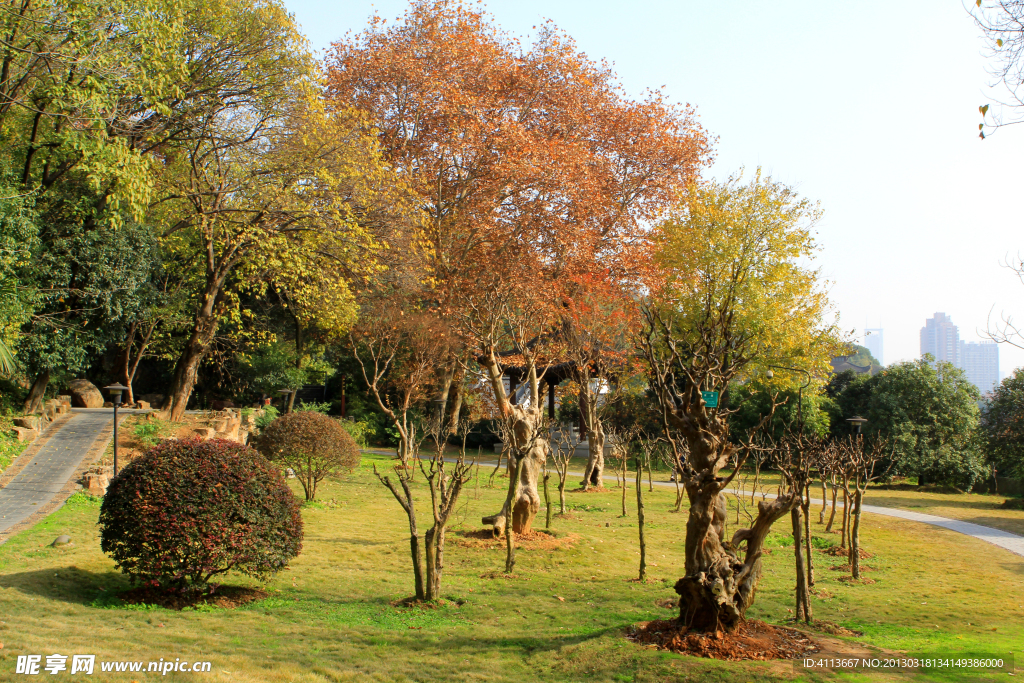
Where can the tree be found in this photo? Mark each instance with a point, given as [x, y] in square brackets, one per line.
[531, 169]
[1002, 24]
[313, 445]
[736, 299]
[928, 412]
[1002, 425]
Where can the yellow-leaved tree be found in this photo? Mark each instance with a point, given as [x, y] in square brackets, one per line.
[739, 296]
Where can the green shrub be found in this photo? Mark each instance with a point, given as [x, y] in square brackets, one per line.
[147, 432]
[189, 510]
[311, 444]
[270, 414]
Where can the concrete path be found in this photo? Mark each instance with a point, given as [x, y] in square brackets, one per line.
[1003, 539]
[48, 472]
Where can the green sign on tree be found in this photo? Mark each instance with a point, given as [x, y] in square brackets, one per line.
[710, 398]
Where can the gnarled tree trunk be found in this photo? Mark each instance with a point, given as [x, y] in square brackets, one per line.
[527, 500]
[719, 586]
[34, 402]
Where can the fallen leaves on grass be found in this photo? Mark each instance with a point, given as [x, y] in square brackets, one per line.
[832, 628]
[753, 640]
[836, 551]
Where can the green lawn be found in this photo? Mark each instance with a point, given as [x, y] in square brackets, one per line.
[330, 616]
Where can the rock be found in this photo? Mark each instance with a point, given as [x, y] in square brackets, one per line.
[24, 434]
[205, 433]
[289, 473]
[84, 394]
[152, 399]
[107, 404]
[61, 540]
[96, 483]
[142, 405]
[221, 405]
[29, 422]
[65, 399]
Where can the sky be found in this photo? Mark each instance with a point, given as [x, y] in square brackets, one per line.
[870, 108]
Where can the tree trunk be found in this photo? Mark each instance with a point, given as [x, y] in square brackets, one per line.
[514, 486]
[824, 501]
[718, 586]
[594, 474]
[430, 541]
[640, 526]
[832, 515]
[34, 402]
[124, 360]
[561, 495]
[845, 516]
[624, 473]
[547, 500]
[650, 478]
[187, 367]
[806, 507]
[803, 605]
[527, 501]
[855, 535]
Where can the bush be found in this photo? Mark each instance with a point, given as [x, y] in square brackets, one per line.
[186, 511]
[311, 444]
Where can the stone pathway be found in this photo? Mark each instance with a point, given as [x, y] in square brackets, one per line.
[49, 471]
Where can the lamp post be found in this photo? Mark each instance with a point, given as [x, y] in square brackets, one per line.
[857, 421]
[800, 393]
[115, 398]
[284, 393]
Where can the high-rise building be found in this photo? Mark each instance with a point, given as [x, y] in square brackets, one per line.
[941, 339]
[980, 362]
[873, 342]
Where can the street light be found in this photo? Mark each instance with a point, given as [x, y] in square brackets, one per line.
[857, 421]
[285, 392]
[800, 393]
[115, 398]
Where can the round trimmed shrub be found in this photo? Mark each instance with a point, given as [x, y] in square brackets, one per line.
[311, 444]
[189, 510]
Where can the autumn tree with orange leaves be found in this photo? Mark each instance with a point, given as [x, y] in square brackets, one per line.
[533, 169]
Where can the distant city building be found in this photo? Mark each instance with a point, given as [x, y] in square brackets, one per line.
[980, 362]
[873, 342]
[941, 339]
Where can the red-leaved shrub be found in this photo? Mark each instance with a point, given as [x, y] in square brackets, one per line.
[189, 510]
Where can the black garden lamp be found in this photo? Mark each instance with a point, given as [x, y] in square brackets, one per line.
[115, 397]
[285, 393]
[857, 421]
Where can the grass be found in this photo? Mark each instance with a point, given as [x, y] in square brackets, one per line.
[330, 616]
[10, 447]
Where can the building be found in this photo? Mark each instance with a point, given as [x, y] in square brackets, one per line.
[980, 362]
[941, 339]
[873, 342]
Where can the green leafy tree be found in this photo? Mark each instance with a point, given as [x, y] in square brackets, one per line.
[1002, 423]
[928, 411]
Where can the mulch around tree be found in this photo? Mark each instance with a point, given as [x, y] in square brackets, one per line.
[836, 551]
[753, 640]
[535, 539]
[226, 597]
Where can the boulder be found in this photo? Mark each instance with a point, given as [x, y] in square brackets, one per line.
[28, 422]
[84, 394]
[221, 405]
[96, 483]
[65, 399]
[152, 399]
[205, 433]
[142, 405]
[24, 434]
[61, 540]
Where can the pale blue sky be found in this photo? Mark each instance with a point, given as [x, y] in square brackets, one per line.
[869, 107]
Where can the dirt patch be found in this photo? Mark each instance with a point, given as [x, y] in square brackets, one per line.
[856, 582]
[754, 640]
[834, 629]
[533, 540]
[668, 603]
[848, 568]
[226, 597]
[592, 489]
[836, 551]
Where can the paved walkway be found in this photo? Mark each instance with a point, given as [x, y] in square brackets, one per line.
[1003, 539]
[49, 471]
